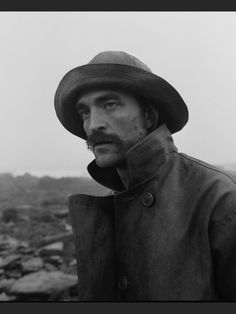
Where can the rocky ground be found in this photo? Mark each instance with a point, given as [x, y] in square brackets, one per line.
[37, 258]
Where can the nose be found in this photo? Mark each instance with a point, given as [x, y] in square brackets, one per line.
[95, 122]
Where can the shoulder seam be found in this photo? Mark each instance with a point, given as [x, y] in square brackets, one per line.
[209, 167]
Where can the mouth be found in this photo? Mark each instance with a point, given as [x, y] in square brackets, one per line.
[102, 143]
[102, 147]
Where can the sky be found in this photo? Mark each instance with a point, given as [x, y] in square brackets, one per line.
[194, 51]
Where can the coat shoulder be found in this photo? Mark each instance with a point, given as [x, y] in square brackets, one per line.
[210, 170]
[218, 186]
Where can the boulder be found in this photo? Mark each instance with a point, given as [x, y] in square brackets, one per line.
[73, 262]
[68, 227]
[23, 245]
[32, 265]
[8, 243]
[43, 284]
[54, 260]
[13, 273]
[10, 261]
[5, 284]
[24, 248]
[6, 298]
[50, 267]
[73, 267]
[52, 249]
[62, 237]
[10, 215]
[63, 213]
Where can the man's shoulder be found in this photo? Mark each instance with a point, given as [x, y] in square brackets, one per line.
[207, 169]
[216, 186]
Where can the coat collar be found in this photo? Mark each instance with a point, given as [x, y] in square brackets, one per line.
[143, 160]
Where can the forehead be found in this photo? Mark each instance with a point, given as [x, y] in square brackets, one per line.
[102, 94]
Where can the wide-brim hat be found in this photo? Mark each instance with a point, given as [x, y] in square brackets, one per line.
[122, 70]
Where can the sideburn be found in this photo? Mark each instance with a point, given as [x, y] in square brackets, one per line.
[155, 113]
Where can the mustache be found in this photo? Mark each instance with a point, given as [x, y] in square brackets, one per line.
[100, 137]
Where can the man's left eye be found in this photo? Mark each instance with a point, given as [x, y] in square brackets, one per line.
[110, 105]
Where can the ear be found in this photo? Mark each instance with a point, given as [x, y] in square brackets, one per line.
[149, 118]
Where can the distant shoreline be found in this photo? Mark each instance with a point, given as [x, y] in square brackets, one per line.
[51, 173]
[75, 173]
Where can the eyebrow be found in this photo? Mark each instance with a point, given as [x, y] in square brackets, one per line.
[102, 98]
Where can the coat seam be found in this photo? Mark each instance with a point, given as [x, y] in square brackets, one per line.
[208, 167]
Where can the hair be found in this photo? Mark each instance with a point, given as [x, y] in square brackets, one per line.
[154, 111]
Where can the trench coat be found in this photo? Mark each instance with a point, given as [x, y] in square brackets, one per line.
[170, 236]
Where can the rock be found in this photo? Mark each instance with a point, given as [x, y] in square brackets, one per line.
[10, 261]
[52, 249]
[68, 227]
[23, 245]
[26, 208]
[73, 262]
[24, 218]
[8, 243]
[26, 250]
[54, 259]
[5, 297]
[43, 284]
[5, 284]
[73, 267]
[13, 274]
[65, 236]
[50, 267]
[10, 215]
[10, 224]
[62, 213]
[42, 216]
[32, 265]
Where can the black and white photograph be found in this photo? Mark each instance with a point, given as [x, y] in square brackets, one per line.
[118, 156]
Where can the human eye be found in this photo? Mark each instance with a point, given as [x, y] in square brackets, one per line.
[83, 113]
[110, 105]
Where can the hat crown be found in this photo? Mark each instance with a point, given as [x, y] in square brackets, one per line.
[119, 57]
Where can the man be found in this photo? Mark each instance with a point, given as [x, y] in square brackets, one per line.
[168, 230]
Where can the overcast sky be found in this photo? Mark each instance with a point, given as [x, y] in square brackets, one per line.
[194, 51]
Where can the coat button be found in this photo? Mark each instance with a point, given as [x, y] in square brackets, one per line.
[148, 199]
[123, 282]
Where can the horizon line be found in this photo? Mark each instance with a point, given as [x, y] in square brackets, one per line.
[50, 173]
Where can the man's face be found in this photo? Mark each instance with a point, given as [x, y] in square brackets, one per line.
[113, 121]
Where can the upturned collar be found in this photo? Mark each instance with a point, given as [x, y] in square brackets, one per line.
[144, 160]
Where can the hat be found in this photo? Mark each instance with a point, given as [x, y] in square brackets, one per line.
[118, 69]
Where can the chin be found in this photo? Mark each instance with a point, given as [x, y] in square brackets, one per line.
[105, 162]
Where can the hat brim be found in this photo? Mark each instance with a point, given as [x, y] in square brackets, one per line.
[146, 84]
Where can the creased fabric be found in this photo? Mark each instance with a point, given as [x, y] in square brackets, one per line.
[172, 233]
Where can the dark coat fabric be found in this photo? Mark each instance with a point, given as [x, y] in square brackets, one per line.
[170, 236]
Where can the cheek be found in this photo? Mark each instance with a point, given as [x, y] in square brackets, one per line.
[86, 128]
[132, 128]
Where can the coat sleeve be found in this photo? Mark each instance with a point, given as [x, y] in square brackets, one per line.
[222, 234]
[92, 219]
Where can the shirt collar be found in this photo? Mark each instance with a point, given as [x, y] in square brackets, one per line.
[143, 160]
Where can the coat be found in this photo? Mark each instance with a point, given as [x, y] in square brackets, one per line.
[170, 236]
